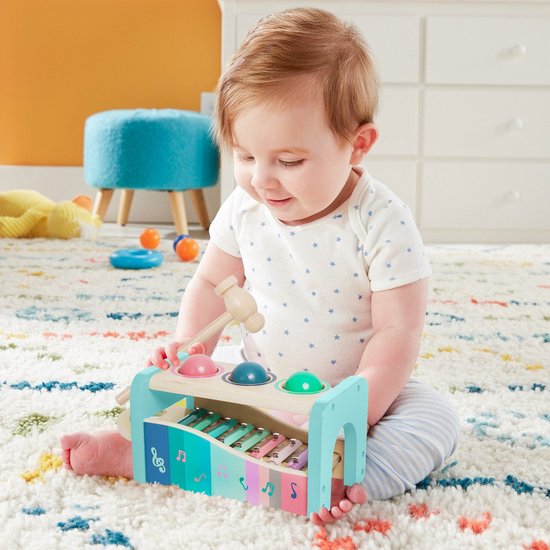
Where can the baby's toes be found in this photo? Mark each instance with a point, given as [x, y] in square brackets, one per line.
[357, 494]
[345, 505]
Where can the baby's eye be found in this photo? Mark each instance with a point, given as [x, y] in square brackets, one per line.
[246, 158]
[291, 163]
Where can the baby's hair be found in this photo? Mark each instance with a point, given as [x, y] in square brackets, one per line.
[301, 42]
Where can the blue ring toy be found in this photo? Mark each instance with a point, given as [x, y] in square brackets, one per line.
[135, 258]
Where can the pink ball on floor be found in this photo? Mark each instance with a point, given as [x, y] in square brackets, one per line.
[198, 365]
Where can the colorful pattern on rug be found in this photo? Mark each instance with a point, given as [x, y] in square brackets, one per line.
[74, 330]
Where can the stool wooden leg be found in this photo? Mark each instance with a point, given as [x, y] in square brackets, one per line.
[177, 204]
[124, 206]
[101, 203]
[197, 196]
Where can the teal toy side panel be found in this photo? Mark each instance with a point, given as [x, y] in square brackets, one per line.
[178, 456]
[198, 465]
[343, 407]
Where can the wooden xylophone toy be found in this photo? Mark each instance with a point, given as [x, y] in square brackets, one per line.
[204, 427]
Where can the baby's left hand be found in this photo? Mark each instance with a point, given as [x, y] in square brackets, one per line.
[342, 501]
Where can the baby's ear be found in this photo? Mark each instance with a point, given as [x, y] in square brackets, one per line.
[364, 138]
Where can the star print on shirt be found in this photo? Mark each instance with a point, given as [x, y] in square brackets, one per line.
[387, 250]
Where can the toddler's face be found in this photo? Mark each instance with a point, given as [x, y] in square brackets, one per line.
[287, 158]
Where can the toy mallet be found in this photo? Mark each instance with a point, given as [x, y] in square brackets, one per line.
[240, 306]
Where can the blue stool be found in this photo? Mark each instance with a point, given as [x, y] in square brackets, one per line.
[153, 149]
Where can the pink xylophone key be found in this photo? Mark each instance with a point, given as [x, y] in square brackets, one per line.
[266, 446]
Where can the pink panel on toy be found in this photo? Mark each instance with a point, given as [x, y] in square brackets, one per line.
[294, 493]
[252, 482]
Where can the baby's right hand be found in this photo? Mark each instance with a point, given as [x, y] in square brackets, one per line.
[160, 356]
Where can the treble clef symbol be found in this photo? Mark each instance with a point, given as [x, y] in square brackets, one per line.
[158, 462]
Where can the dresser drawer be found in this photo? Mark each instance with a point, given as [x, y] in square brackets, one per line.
[492, 123]
[394, 42]
[488, 50]
[397, 122]
[473, 195]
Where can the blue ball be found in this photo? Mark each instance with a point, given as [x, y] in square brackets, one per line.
[249, 373]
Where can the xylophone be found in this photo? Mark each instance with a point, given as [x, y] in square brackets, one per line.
[204, 427]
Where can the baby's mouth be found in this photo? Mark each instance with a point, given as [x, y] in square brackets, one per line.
[277, 202]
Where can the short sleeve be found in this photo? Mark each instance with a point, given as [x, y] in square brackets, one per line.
[393, 249]
[222, 229]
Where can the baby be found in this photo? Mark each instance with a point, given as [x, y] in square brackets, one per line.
[331, 255]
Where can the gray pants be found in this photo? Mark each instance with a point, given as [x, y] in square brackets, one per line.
[416, 436]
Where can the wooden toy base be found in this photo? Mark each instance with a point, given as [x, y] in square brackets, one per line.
[168, 447]
[180, 455]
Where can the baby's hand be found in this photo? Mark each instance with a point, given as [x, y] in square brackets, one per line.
[160, 356]
[342, 501]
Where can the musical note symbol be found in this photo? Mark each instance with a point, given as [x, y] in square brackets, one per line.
[181, 456]
[219, 473]
[157, 462]
[241, 480]
[293, 486]
[197, 479]
[269, 488]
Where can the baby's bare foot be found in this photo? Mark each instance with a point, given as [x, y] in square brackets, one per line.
[355, 494]
[104, 453]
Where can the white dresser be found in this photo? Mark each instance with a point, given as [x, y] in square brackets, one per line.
[465, 109]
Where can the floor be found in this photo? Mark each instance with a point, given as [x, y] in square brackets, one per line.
[167, 231]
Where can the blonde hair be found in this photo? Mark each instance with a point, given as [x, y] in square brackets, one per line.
[295, 43]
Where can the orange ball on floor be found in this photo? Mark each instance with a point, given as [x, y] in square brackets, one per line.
[187, 249]
[149, 238]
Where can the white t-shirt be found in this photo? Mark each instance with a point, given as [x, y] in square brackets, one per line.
[313, 282]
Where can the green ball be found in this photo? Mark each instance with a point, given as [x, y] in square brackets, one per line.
[303, 382]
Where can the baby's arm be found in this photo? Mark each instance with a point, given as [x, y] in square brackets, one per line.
[387, 361]
[200, 305]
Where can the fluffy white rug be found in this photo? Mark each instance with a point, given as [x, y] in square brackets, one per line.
[73, 331]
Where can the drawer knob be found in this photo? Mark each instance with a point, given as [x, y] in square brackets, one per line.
[516, 124]
[519, 50]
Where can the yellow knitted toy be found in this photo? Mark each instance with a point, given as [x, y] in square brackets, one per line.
[26, 213]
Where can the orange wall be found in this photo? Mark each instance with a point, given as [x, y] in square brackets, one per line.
[62, 60]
